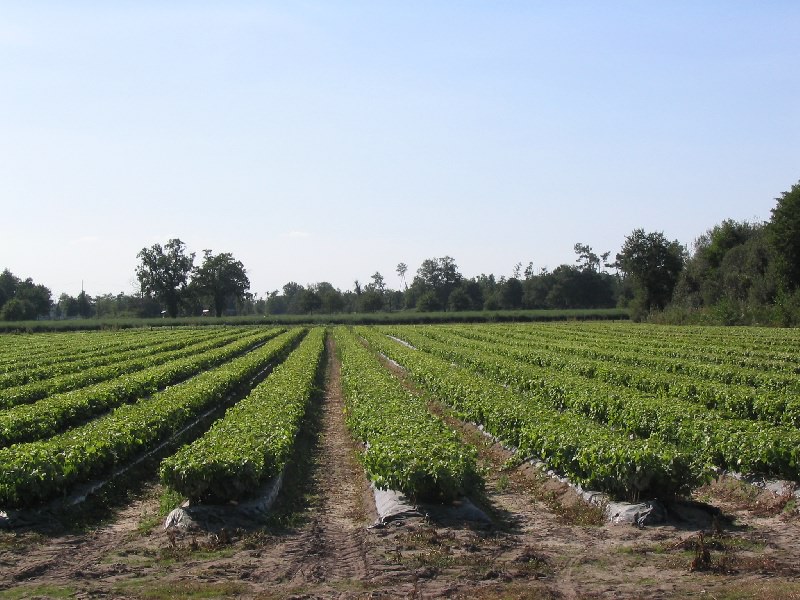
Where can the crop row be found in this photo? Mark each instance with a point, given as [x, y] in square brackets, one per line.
[590, 454]
[142, 347]
[56, 413]
[37, 390]
[36, 350]
[407, 448]
[639, 354]
[39, 470]
[695, 343]
[775, 407]
[738, 444]
[254, 440]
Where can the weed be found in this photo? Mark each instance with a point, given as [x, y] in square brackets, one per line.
[502, 483]
[169, 500]
[512, 462]
[184, 590]
[147, 523]
[40, 591]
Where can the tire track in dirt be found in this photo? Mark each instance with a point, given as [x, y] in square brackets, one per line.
[77, 556]
[333, 548]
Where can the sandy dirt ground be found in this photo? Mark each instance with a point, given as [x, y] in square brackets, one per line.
[320, 542]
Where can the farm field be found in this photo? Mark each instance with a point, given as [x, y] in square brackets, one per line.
[139, 421]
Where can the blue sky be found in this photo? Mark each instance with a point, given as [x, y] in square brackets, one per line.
[327, 140]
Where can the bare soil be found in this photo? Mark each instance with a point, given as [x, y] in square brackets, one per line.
[543, 541]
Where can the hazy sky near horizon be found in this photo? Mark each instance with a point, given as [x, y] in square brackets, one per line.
[327, 140]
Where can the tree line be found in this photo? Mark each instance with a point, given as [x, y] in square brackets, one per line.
[736, 272]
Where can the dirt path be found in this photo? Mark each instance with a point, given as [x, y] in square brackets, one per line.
[542, 542]
[330, 548]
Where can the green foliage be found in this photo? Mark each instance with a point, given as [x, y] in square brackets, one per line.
[164, 272]
[435, 280]
[459, 300]
[784, 237]
[22, 299]
[568, 287]
[407, 448]
[607, 391]
[17, 310]
[254, 440]
[429, 302]
[129, 381]
[220, 278]
[729, 272]
[787, 309]
[588, 453]
[511, 294]
[371, 301]
[69, 354]
[80, 306]
[652, 264]
[36, 471]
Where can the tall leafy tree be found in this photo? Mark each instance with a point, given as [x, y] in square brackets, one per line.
[309, 300]
[22, 299]
[784, 237]
[163, 273]
[37, 296]
[401, 272]
[332, 299]
[589, 261]
[511, 293]
[8, 286]
[652, 264]
[437, 275]
[730, 262]
[220, 278]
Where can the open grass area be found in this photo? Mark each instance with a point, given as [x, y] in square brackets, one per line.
[399, 317]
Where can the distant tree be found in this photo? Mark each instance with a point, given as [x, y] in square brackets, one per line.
[371, 300]
[37, 295]
[459, 300]
[8, 286]
[474, 293]
[529, 270]
[589, 261]
[163, 273]
[730, 262]
[487, 285]
[428, 302]
[537, 288]
[394, 299]
[22, 299]
[784, 237]
[125, 305]
[652, 265]
[220, 278]
[378, 282]
[85, 305]
[438, 275]
[276, 304]
[80, 306]
[401, 270]
[516, 271]
[67, 306]
[332, 299]
[293, 292]
[492, 302]
[309, 301]
[17, 310]
[511, 293]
